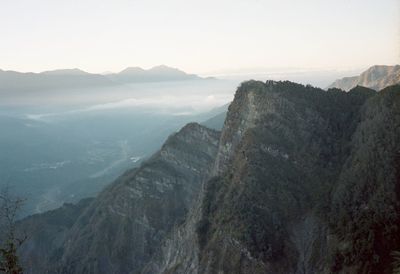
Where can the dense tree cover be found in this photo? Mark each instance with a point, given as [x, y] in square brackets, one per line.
[306, 181]
[311, 160]
[366, 202]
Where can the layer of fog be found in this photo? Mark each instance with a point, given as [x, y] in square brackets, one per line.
[63, 145]
[178, 98]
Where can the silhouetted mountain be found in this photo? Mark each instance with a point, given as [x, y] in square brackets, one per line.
[74, 71]
[302, 180]
[132, 71]
[155, 74]
[376, 77]
[12, 81]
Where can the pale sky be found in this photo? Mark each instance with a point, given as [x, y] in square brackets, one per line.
[207, 36]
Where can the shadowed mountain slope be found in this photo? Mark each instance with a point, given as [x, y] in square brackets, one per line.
[120, 229]
[301, 180]
[299, 186]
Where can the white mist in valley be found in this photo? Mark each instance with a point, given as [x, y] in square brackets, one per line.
[65, 144]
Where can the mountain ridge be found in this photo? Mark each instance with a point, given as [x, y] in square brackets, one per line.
[300, 180]
[155, 74]
[168, 182]
[266, 211]
[13, 81]
[74, 71]
[376, 77]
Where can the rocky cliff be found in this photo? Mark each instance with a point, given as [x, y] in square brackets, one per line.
[299, 187]
[301, 180]
[120, 230]
[376, 77]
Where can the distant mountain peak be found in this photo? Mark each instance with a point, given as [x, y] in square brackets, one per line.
[155, 74]
[164, 68]
[376, 77]
[130, 70]
[74, 71]
[51, 80]
[74, 78]
[158, 69]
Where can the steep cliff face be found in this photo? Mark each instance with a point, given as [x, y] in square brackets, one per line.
[120, 230]
[179, 252]
[295, 165]
[376, 77]
[301, 180]
[277, 161]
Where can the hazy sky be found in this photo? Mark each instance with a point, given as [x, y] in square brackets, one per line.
[198, 36]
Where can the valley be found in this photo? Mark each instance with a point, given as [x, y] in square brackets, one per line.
[278, 190]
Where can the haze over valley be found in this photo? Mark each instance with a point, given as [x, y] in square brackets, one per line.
[69, 133]
[61, 144]
[200, 137]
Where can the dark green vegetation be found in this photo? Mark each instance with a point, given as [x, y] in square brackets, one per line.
[312, 184]
[365, 211]
[302, 180]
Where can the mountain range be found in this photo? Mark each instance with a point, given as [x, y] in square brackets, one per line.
[299, 180]
[12, 81]
[376, 77]
[155, 74]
